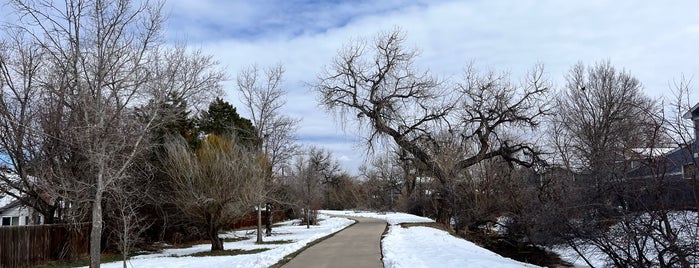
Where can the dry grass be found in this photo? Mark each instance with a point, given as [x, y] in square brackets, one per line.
[230, 252]
[435, 225]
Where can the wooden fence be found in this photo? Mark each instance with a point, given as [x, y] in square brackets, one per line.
[24, 246]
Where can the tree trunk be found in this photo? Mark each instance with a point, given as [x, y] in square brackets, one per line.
[259, 224]
[96, 232]
[268, 220]
[443, 217]
[444, 210]
[48, 217]
[308, 218]
[216, 243]
[124, 240]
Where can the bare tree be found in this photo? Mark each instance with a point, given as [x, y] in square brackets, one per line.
[129, 224]
[188, 75]
[305, 188]
[98, 61]
[309, 173]
[344, 191]
[263, 97]
[683, 127]
[603, 118]
[385, 181]
[20, 109]
[216, 184]
[621, 205]
[376, 84]
[100, 55]
[602, 112]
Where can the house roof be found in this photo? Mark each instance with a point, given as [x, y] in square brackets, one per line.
[6, 199]
[10, 205]
[654, 152]
[692, 112]
[4, 202]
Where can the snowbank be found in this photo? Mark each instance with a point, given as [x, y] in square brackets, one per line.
[402, 247]
[682, 222]
[428, 247]
[290, 230]
[392, 218]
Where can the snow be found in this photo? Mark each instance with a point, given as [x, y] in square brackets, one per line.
[654, 152]
[596, 258]
[683, 222]
[420, 246]
[290, 230]
[416, 246]
[392, 218]
[428, 247]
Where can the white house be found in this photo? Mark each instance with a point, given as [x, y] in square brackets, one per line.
[13, 213]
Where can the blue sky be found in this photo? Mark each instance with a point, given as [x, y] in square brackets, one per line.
[656, 41]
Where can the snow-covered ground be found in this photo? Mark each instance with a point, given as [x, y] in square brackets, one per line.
[392, 218]
[402, 247]
[428, 247]
[290, 230]
[566, 253]
[682, 222]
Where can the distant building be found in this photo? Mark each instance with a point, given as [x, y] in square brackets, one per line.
[674, 169]
[13, 213]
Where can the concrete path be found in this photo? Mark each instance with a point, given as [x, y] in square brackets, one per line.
[357, 246]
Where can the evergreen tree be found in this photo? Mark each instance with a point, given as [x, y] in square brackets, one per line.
[172, 119]
[175, 119]
[222, 119]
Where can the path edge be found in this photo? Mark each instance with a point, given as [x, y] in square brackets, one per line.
[290, 256]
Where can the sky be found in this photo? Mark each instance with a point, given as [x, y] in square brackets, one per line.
[656, 41]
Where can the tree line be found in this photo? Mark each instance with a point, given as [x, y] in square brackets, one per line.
[586, 165]
[102, 122]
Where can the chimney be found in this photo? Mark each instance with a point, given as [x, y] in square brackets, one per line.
[694, 115]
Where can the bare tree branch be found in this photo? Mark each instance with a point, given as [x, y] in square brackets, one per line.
[378, 83]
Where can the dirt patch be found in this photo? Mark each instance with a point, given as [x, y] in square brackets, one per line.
[229, 252]
[430, 224]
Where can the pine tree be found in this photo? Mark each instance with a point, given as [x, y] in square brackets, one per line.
[222, 119]
[175, 119]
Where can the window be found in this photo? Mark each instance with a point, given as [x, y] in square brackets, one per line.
[689, 171]
[10, 221]
[635, 164]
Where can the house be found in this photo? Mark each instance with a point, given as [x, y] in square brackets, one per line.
[12, 210]
[689, 168]
[668, 177]
[13, 213]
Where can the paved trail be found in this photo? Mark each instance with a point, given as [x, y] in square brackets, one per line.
[356, 246]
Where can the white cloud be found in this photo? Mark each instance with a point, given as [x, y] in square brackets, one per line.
[655, 41]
